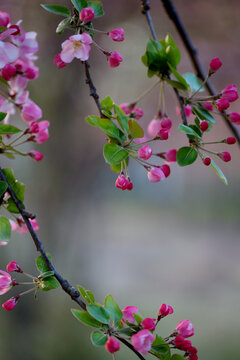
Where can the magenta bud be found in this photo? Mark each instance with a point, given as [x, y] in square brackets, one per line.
[204, 125]
[225, 156]
[112, 345]
[230, 140]
[86, 14]
[145, 152]
[215, 64]
[222, 104]
[207, 161]
[116, 34]
[114, 59]
[35, 155]
[13, 267]
[185, 328]
[8, 72]
[11, 303]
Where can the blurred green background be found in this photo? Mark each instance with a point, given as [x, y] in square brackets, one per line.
[175, 242]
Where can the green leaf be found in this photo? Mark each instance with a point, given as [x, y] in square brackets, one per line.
[40, 263]
[107, 103]
[114, 154]
[135, 129]
[160, 349]
[107, 126]
[8, 129]
[193, 81]
[57, 9]
[155, 57]
[46, 274]
[79, 4]
[186, 156]
[117, 167]
[5, 229]
[2, 116]
[19, 190]
[176, 84]
[98, 338]
[150, 73]
[177, 357]
[49, 283]
[188, 130]
[3, 81]
[203, 114]
[179, 77]
[137, 318]
[62, 25]
[122, 118]
[97, 8]
[113, 309]
[86, 318]
[3, 188]
[86, 294]
[99, 313]
[172, 51]
[218, 171]
[196, 129]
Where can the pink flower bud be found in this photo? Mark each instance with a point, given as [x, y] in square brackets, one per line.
[234, 117]
[121, 182]
[33, 127]
[165, 310]
[207, 161]
[31, 73]
[31, 112]
[11, 303]
[204, 125]
[117, 34]
[187, 110]
[14, 267]
[4, 19]
[36, 155]
[186, 345]
[166, 170]
[130, 185]
[230, 93]
[138, 113]
[155, 175]
[192, 350]
[208, 106]
[193, 357]
[86, 14]
[112, 345]
[231, 140]
[8, 72]
[179, 341]
[58, 62]
[128, 312]
[222, 104]
[114, 59]
[171, 156]
[154, 127]
[225, 156]
[185, 328]
[142, 341]
[215, 64]
[126, 108]
[148, 324]
[145, 152]
[166, 123]
[163, 134]
[6, 282]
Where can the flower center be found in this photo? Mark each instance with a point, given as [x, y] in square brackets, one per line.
[77, 45]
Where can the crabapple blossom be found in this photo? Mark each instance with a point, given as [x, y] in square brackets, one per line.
[31, 111]
[36, 155]
[142, 341]
[166, 123]
[204, 125]
[207, 106]
[185, 328]
[222, 104]
[13, 267]
[215, 64]
[21, 227]
[128, 312]
[112, 345]
[166, 170]
[116, 34]
[155, 175]
[154, 127]
[230, 93]
[77, 46]
[187, 110]
[234, 117]
[6, 282]
[114, 59]
[121, 182]
[11, 303]
[165, 310]
[163, 134]
[8, 72]
[171, 156]
[145, 152]
[148, 324]
[126, 108]
[225, 156]
[230, 140]
[86, 14]
[4, 19]
[207, 161]
[58, 62]
[138, 113]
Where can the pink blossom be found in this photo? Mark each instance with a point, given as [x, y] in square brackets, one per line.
[8, 53]
[130, 185]
[11, 303]
[141, 140]
[207, 161]
[138, 113]
[231, 140]
[126, 108]
[208, 106]
[179, 341]
[225, 156]
[86, 14]
[234, 117]
[163, 134]
[142, 341]
[27, 43]
[128, 312]
[31, 111]
[204, 125]
[77, 46]
[5, 282]
[171, 156]
[121, 182]
[12, 30]
[8, 72]
[21, 227]
[112, 345]
[58, 62]
[215, 64]
[166, 123]
[187, 110]
[230, 93]
[145, 152]
[155, 175]
[154, 127]
[185, 328]
[166, 170]
[165, 310]
[117, 34]
[13, 267]
[222, 104]
[36, 155]
[148, 324]
[114, 59]
[31, 72]
[4, 19]
[42, 135]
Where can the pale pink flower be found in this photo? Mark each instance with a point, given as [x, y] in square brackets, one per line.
[187, 110]
[145, 152]
[31, 111]
[8, 53]
[36, 155]
[165, 310]
[114, 59]
[142, 341]
[148, 324]
[185, 328]
[86, 14]
[21, 227]
[155, 175]
[42, 135]
[11, 303]
[215, 64]
[5, 282]
[112, 345]
[13, 267]
[76, 46]
[3, 243]
[128, 312]
[117, 34]
[222, 104]
[58, 61]
[4, 19]
[154, 127]
[230, 93]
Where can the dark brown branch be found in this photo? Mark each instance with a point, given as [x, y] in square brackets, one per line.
[93, 90]
[192, 51]
[146, 11]
[68, 288]
[125, 342]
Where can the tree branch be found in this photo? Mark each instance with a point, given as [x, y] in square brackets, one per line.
[125, 342]
[93, 90]
[66, 286]
[192, 51]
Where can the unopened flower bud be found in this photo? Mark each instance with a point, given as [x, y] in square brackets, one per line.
[230, 140]
[234, 117]
[116, 34]
[215, 64]
[185, 328]
[155, 175]
[207, 161]
[4, 19]
[11, 303]
[204, 125]
[225, 156]
[112, 345]
[86, 14]
[13, 267]
[114, 59]
[166, 169]
[8, 72]
[36, 155]
[145, 152]
[230, 93]
[222, 104]
[148, 324]
[58, 61]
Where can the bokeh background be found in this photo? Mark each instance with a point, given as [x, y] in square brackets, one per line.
[175, 242]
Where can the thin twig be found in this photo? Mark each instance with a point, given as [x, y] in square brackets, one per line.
[192, 51]
[125, 342]
[68, 288]
[93, 90]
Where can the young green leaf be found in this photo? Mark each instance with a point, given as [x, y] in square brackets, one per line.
[176, 84]
[113, 309]
[99, 313]
[155, 57]
[177, 357]
[8, 129]
[219, 172]
[107, 103]
[57, 9]
[97, 8]
[114, 154]
[41, 265]
[85, 318]
[79, 4]
[179, 77]
[9, 175]
[193, 81]
[107, 126]
[160, 349]
[98, 338]
[137, 318]
[122, 118]
[186, 156]
[62, 25]
[2, 116]
[49, 283]
[3, 188]
[86, 294]
[188, 130]
[203, 114]
[172, 51]
[135, 129]
[3, 81]
[5, 229]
